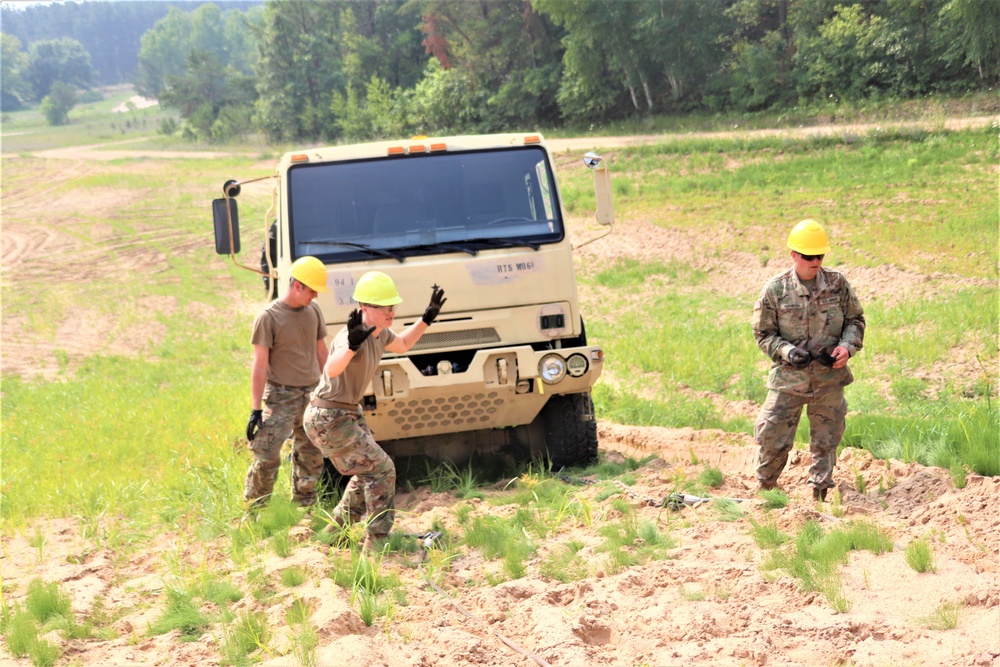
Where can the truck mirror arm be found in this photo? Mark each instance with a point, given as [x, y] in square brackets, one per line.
[602, 192]
[231, 189]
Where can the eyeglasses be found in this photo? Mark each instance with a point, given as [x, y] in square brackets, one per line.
[387, 309]
[810, 258]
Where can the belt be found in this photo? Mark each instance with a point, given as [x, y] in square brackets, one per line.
[309, 387]
[334, 405]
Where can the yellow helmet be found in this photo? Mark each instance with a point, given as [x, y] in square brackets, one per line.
[808, 238]
[377, 289]
[310, 272]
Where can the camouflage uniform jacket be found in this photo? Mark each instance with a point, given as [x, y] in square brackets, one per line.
[788, 315]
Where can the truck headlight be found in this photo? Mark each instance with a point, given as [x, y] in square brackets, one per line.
[577, 365]
[552, 368]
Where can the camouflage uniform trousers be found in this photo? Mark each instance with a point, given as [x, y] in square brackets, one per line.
[344, 437]
[283, 412]
[775, 434]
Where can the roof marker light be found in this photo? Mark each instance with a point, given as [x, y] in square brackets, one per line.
[299, 157]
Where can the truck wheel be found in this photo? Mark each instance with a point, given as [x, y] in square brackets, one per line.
[570, 430]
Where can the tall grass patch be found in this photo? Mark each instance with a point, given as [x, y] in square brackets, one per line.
[814, 556]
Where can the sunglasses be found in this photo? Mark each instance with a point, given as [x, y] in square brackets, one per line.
[810, 258]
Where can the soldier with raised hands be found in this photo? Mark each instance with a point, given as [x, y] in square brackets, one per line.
[809, 322]
[335, 421]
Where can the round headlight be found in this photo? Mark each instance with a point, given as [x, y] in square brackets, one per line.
[552, 368]
[577, 365]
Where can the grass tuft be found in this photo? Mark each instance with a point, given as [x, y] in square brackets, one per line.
[944, 617]
[920, 556]
[710, 477]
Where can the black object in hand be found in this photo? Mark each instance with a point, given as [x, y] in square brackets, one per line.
[434, 307]
[356, 331]
[254, 424]
[825, 357]
[799, 358]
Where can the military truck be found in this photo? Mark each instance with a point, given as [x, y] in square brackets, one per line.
[507, 366]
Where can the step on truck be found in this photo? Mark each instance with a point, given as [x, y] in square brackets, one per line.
[506, 367]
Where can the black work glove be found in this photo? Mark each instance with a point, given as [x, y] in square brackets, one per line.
[434, 307]
[798, 357]
[254, 424]
[356, 331]
[824, 357]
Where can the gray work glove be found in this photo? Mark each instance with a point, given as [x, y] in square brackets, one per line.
[356, 331]
[798, 357]
[434, 307]
[254, 424]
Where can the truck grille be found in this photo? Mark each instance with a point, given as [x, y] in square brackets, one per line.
[432, 340]
[468, 410]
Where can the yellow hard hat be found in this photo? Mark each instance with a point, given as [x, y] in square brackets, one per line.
[377, 289]
[310, 272]
[808, 238]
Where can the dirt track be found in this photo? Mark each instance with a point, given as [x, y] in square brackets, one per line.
[112, 151]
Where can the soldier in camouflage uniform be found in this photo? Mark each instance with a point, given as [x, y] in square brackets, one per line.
[809, 322]
[289, 342]
[334, 419]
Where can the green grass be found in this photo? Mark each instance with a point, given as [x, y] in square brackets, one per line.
[815, 554]
[920, 556]
[766, 534]
[181, 613]
[630, 541]
[565, 564]
[245, 636]
[774, 498]
[944, 617]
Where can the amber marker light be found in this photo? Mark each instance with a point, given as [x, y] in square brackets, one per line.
[395, 150]
[532, 139]
[437, 148]
[299, 157]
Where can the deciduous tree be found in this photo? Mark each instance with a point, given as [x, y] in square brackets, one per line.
[57, 60]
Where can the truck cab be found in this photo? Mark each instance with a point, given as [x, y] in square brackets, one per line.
[506, 367]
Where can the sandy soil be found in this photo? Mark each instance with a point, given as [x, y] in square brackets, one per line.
[709, 603]
[136, 102]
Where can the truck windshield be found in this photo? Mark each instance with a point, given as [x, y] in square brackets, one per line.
[417, 205]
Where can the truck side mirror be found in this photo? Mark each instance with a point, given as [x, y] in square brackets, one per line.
[227, 226]
[602, 187]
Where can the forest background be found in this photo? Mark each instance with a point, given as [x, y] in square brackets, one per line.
[329, 71]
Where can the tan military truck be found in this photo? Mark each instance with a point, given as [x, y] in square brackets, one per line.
[507, 366]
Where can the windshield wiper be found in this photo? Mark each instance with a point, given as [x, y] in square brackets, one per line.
[465, 246]
[361, 246]
[442, 246]
[503, 243]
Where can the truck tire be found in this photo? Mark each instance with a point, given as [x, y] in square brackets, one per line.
[570, 430]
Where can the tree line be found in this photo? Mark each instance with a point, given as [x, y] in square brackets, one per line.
[308, 70]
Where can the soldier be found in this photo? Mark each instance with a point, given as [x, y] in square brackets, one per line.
[289, 344]
[809, 323]
[334, 419]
